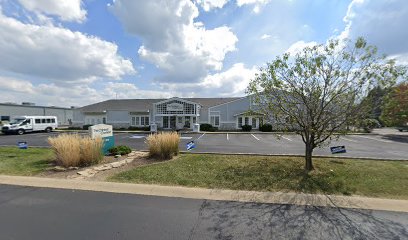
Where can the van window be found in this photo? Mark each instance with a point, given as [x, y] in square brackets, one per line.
[37, 121]
[53, 120]
[48, 120]
[43, 120]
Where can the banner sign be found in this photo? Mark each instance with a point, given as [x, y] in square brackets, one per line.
[190, 145]
[106, 133]
[175, 107]
[338, 149]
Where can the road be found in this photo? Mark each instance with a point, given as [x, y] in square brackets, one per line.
[42, 213]
[386, 146]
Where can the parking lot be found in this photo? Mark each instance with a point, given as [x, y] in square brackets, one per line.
[388, 146]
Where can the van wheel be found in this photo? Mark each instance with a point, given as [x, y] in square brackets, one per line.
[20, 131]
[48, 130]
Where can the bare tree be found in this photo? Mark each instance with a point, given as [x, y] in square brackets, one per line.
[317, 91]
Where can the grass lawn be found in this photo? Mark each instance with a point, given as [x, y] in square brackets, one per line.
[26, 162]
[259, 173]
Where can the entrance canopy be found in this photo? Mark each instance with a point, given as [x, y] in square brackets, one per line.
[176, 107]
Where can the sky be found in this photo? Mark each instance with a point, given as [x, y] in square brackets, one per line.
[77, 52]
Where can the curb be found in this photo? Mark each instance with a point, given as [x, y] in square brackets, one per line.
[214, 194]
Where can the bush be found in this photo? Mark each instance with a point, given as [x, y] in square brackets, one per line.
[85, 127]
[119, 150]
[163, 145]
[72, 150]
[266, 127]
[74, 128]
[147, 128]
[246, 128]
[368, 124]
[206, 127]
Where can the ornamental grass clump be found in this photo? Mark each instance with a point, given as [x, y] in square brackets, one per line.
[72, 150]
[67, 149]
[163, 145]
[91, 151]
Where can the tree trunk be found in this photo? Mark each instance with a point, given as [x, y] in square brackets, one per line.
[308, 157]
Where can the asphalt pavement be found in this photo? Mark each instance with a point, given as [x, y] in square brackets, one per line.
[393, 146]
[42, 213]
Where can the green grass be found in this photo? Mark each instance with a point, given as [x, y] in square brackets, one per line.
[26, 162]
[259, 173]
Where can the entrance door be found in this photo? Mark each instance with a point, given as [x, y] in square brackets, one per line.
[173, 122]
[165, 122]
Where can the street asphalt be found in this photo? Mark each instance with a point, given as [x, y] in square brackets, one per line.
[48, 214]
[384, 146]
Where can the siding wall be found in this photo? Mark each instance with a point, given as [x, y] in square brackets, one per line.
[63, 115]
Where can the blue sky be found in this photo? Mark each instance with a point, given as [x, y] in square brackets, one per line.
[77, 52]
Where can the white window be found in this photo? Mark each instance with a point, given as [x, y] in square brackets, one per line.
[239, 122]
[215, 121]
[180, 119]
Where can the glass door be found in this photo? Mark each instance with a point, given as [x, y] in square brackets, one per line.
[173, 122]
[165, 122]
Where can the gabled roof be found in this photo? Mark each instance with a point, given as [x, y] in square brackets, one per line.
[143, 105]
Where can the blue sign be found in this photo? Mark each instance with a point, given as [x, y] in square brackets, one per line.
[338, 149]
[190, 145]
[22, 145]
[108, 142]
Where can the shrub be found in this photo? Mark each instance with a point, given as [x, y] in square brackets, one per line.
[91, 151]
[72, 150]
[246, 128]
[163, 145]
[206, 127]
[119, 150]
[368, 124]
[147, 128]
[74, 128]
[266, 127]
[85, 127]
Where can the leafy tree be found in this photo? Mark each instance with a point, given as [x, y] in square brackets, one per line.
[395, 110]
[318, 90]
[373, 103]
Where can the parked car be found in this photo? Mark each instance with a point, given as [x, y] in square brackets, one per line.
[23, 124]
[402, 128]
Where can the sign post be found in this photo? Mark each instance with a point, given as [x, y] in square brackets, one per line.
[106, 133]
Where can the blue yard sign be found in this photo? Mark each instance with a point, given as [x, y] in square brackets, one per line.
[338, 149]
[190, 145]
[22, 145]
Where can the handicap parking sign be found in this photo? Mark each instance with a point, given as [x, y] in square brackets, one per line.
[190, 145]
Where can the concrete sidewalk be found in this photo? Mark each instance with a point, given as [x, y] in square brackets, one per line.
[213, 194]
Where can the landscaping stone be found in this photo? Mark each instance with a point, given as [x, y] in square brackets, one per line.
[87, 173]
[59, 169]
[118, 156]
[116, 164]
[73, 168]
[103, 167]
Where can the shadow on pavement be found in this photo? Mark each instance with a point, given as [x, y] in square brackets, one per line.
[395, 138]
[233, 220]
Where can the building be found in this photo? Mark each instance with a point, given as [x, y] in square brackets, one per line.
[8, 111]
[172, 113]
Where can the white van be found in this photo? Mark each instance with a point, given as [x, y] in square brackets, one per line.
[23, 124]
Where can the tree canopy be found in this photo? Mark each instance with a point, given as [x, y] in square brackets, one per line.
[395, 109]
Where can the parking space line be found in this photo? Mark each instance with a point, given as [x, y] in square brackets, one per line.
[285, 138]
[200, 136]
[227, 137]
[347, 139]
[375, 139]
[255, 137]
[186, 137]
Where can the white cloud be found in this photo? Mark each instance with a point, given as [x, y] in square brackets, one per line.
[298, 46]
[265, 36]
[184, 49]
[58, 54]
[208, 5]
[66, 10]
[18, 90]
[382, 23]
[256, 3]
[231, 82]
